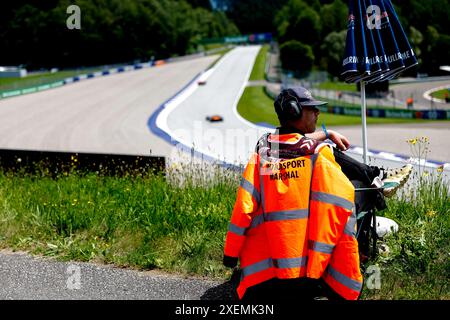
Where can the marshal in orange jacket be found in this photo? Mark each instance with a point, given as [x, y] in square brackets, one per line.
[294, 217]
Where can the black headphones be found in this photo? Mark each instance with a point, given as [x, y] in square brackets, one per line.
[288, 107]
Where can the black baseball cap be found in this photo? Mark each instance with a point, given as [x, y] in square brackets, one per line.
[302, 95]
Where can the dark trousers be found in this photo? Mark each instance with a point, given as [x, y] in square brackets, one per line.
[361, 175]
[355, 170]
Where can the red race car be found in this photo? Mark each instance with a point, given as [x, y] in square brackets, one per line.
[214, 118]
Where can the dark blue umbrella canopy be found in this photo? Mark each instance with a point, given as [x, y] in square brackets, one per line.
[377, 48]
[350, 61]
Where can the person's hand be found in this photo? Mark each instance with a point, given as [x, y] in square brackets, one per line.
[340, 140]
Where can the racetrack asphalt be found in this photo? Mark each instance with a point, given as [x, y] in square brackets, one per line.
[24, 277]
[109, 115]
[416, 91]
[100, 115]
[232, 139]
[392, 137]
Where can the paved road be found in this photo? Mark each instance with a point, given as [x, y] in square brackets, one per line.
[106, 115]
[233, 139]
[392, 138]
[416, 90]
[24, 277]
[100, 115]
[327, 95]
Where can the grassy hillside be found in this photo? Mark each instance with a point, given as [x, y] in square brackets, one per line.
[177, 223]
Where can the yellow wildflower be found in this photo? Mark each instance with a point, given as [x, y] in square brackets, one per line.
[431, 213]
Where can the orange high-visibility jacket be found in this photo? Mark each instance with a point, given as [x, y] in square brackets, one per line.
[294, 217]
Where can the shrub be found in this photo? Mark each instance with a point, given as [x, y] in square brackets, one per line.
[296, 56]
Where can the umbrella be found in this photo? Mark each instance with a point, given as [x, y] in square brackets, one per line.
[388, 41]
[376, 49]
[350, 62]
[407, 53]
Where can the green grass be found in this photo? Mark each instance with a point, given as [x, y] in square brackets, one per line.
[256, 106]
[39, 79]
[258, 71]
[178, 222]
[211, 46]
[337, 86]
[222, 52]
[417, 263]
[220, 55]
[440, 94]
[174, 224]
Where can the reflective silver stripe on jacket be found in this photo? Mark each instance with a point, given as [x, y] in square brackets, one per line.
[284, 263]
[331, 199]
[235, 229]
[279, 216]
[313, 165]
[320, 247]
[256, 221]
[257, 267]
[344, 280]
[281, 263]
[350, 226]
[261, 185]
[250, 188]
[286, 215]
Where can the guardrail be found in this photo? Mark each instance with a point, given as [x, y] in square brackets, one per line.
[418, 80]
[68, 80]
[378, 112]
[106, 72]
[388, 113]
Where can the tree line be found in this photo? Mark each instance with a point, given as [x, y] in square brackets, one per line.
[34, 33]
[311, 33]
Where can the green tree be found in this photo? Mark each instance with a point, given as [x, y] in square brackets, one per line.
[429, 54]
[253, 16]
[441, 50]
[200, 3]
[415, 12]
[333, 17]
[296, 56]
[298, 21]
[332, 50]
[416, 39]
[112, 31]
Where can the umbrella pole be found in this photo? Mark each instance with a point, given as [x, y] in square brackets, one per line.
[364, 123]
